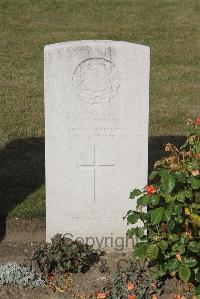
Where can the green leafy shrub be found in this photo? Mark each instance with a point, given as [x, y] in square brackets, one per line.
[170, 236]
[64, 255]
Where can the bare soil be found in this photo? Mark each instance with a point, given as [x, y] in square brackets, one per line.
[23, 237]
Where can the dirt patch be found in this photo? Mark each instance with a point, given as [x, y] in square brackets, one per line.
[24, 237]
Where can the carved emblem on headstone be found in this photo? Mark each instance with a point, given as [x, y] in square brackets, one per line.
[96, 81]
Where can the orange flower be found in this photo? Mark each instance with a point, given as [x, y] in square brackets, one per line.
[131, 297]
[130, 286]
[154, 296]
[150, 189]
[197, 122]
[178, 256]
[101, 295]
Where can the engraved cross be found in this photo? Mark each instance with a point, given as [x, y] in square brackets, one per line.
[94, 166]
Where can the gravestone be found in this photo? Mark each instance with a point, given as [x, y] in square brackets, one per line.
[96, 119]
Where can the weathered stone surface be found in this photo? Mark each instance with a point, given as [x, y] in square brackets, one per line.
[96, 114]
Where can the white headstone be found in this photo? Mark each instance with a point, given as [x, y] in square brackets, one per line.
[96, 114]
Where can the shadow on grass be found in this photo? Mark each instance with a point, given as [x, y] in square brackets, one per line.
[22, 170]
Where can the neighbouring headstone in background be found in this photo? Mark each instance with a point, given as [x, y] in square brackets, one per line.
[96, 115]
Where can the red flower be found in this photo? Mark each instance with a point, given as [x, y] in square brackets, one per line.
[197, 122]
[131, 297]
[150, 189]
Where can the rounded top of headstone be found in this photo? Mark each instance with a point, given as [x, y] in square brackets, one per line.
[95, 42]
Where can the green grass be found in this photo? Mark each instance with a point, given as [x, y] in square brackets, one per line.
[170, 27]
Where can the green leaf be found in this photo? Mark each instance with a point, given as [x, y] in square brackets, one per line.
[159, 272]
[180, 176]
[172, 208]
[173, 237]
[139, 232]
[143, 200]
[168, 198]
[154, 199]
[178, 209]
[184, 273]
[152, 251]
[155, 274]
[157, 215]
[133, 218]
[174, 265]
[171, 225]
[139, 253]
[129, 212]
[197, 276]
[134, 193]
[181, 196]
[168, 183]
[131, 232]
[178, 247]
[163, 245]
[167, 216]
[190, 261]
[197, 292]
[179, 219]
[184, 240]
[194, 246]
[143, 216]
[195, 183]
[152, 175]
[188, 193]
[136, 231]
[155, 237]
[163, 270]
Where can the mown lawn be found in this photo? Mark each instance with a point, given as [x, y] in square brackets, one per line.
[170, 27]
